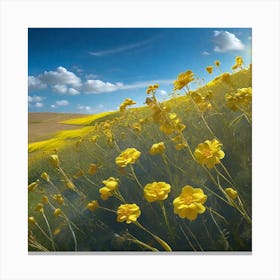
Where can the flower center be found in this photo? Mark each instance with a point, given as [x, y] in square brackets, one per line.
[207, 153]
[188, 199]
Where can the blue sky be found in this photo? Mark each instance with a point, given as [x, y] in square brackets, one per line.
[91, 70]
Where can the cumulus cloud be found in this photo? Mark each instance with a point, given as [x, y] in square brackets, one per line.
[73, 91]
[62, 89]
[225, 41]
[61, 76]
[98, 86]
[64, 82]
[35, 84]
[34, 98]
[60, 103]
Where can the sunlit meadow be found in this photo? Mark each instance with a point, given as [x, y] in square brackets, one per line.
[166, 176]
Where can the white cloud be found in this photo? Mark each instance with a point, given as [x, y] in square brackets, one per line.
[121, 48]
[205, 53]
[62, 89]
[89, 109]
[35, 98]
[62, 81]
[225, 41]
[162, 92]
[98, 86]
[62, 103]
[73, 91]
[35, 84]
[39, 105]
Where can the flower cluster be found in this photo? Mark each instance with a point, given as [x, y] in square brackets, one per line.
[127, 102]
[240, 100]
[128, 213]
[128, 156]
[156, 191]
[171, 124]
[157, 148]
[190, 203]
[183, 80]
[209, 153]
[110, 185]
[202, 100]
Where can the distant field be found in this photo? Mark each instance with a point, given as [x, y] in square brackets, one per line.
[42, 126]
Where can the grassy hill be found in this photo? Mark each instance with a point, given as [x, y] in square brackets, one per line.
[93, 173]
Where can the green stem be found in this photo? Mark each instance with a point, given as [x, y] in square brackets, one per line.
[49, 229]
[135, 177]
[158, 239]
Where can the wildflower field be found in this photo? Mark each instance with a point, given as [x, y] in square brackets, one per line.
[166, 176]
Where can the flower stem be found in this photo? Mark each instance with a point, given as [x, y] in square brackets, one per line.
[158, 239]
[49, 229]
[135, 177]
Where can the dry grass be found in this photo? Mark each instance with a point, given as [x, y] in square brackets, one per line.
[42, 126]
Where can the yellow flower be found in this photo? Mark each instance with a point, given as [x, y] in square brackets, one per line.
[231, 193]
[33, 186]
[157, 148]
[217, 63]
[128, 213]
[209, 69]
[128, 156]
[151, 89]
[183, 79]
[105, 193]
[31, 220]
[242, 99]
[44, 199]
[57, 212]
[45, 176]
[58, 198]
[209, 153]
[166, 128]
[156, 191]
[92, 169]
[238, 63]
[111, 183]
[54, 160]
[39, 207]
[190, 203]
[93, 205]
[80, 173]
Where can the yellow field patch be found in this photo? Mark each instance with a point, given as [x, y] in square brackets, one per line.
[86, 120]
[59, 140]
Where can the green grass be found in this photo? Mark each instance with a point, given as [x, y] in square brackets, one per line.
[220, 228]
